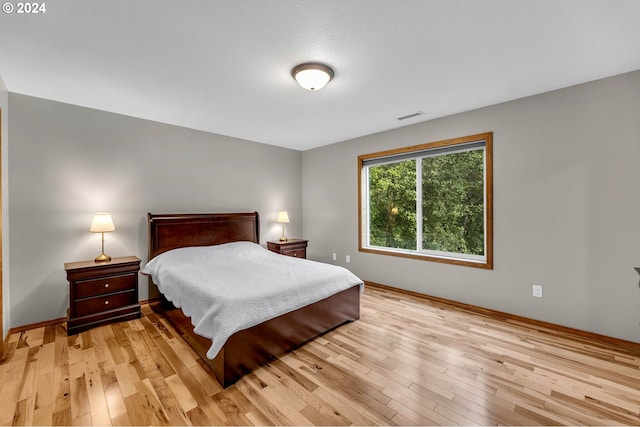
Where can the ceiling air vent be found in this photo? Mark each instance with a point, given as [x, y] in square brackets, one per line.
[408, 116]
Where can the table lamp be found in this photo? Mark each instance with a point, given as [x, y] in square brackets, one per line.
[102, 223]
[283, 217]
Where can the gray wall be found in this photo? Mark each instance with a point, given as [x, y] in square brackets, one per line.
[67, 162]
[566, 208]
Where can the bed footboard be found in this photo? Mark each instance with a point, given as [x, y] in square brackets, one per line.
[258, 345]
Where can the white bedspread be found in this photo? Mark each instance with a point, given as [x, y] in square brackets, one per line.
[230, 287]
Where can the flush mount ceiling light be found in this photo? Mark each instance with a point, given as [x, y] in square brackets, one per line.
[312, 76]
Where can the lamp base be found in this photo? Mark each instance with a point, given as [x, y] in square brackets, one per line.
[283, 239]
[103, 258]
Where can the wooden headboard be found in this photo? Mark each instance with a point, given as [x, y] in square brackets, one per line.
[172, 231]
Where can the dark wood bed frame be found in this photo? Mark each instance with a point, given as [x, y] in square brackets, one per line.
[259, 344]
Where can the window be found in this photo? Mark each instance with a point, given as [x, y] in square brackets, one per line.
[431, 201]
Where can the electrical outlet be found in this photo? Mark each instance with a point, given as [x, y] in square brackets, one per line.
[335, 257]
[537, 291]
[348, 259]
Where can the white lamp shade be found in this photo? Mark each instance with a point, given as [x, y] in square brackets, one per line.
[102, 223]
[283, 216]
[312, 76]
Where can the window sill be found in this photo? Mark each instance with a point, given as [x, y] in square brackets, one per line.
[484, 264]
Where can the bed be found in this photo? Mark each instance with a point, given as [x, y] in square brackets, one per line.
[256, 345]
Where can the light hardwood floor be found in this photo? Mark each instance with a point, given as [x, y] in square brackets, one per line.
[407, 361]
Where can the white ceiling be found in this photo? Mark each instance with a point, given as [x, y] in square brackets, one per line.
[224, 66]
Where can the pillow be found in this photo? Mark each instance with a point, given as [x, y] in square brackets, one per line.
[203, 255]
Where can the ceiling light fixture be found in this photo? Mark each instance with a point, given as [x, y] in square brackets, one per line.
[312, 76]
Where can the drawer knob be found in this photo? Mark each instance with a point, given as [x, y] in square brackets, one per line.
[106, 302]
[295, 254]
[106, 285]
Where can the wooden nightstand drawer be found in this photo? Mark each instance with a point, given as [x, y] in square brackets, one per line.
[104, 285]
[298, 253]
[85, 307]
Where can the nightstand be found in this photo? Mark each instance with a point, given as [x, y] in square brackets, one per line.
[102, 292]
[292, 247]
